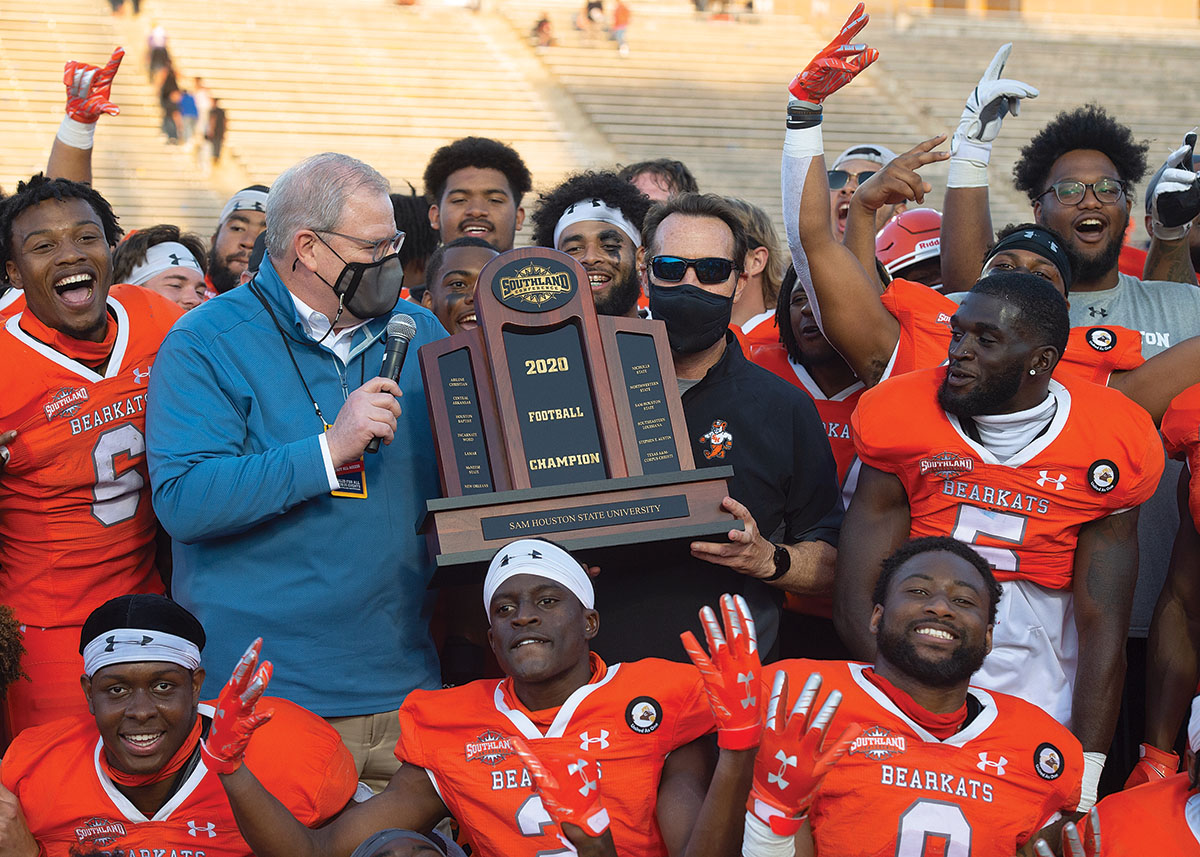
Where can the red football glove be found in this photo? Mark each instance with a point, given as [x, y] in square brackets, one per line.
[569, 784]
[837, 64]
[790, 765]
[732, 677]
[88, 88]
[1153, 764]
[235, 719]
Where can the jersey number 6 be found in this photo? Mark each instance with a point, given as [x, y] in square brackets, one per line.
[933, 827]
[116, 493]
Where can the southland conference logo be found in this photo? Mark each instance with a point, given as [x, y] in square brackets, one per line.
[535, 285]
[490, 747]
[878, 744]
[947, 465]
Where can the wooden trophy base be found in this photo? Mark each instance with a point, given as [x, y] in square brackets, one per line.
[463, 533]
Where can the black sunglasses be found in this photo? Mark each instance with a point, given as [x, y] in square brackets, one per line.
[709, 270]
[838, 178]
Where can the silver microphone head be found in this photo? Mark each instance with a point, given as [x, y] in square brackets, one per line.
[401, 326]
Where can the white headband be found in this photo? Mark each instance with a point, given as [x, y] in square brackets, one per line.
[164, 257]
[595, 209]
[245, 200]
[536, 557]
[1194, 726]
[133, 645]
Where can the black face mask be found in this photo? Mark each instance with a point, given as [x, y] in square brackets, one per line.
[367, 289]
[695, 319]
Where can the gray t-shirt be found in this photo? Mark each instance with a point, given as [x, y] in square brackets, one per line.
[1165, 314]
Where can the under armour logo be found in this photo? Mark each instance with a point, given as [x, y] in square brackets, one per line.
[586, 740]
[113, 641]
[1045, 479]
[534, 554]
[210, 829]
[748, 680]
[985, 763]
[785, 762]
[1097, 311]
[577, 767]
[174, 257]
[140, 377]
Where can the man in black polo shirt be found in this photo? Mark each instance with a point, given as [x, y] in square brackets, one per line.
[784, 478]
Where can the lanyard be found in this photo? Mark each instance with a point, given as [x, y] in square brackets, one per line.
[287, 346]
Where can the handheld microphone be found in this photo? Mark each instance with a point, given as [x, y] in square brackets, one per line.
[400, 331]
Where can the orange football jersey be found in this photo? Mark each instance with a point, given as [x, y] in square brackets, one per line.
[1181, 436]
[760, 330]
[1160, 818]
[70, 802]
[11, 303]
[901, 792]
[1092, 354]
[1100, 454]
[627, 719]
[76, 527]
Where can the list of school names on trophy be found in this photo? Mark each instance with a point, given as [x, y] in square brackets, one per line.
[549, 420]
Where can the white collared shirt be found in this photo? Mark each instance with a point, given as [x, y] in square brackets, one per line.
[316, 325]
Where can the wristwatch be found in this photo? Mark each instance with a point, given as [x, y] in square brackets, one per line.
[783, 563]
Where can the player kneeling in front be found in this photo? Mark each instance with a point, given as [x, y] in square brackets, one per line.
[645, 723]
[139, 773]
[976, 771]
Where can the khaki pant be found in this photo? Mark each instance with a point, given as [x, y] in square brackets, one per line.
[371, 740]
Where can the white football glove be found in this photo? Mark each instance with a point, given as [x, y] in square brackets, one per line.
[1173, 198]
[990, 101]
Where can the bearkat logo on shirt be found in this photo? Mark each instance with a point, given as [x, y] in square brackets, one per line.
[100, 831]
[490, 747]
[947, 465]
[534, 284]
[878, 744]
[718, 439]
[65, 402]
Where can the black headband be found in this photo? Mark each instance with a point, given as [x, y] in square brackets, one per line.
[1037, 241]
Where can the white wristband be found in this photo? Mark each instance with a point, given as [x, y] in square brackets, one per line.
[803, 142]
[76, 134]
[1093, 766]
[759, 841]
[965, 173]
[969, 150]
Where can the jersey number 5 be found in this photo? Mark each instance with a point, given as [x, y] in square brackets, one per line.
[933, 828]
[116, 493]
[973, 522]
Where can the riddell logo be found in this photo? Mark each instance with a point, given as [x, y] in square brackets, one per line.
[490, 747]
[65, 402]
[100, 831]
[878, 744]
[947, 465]
[929, 244]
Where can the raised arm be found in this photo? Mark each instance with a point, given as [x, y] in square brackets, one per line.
[894, 183]
[877, 522]
[1105, 572]
[409, 801]
[1172, 203]
[88, 93]
[967, 218]
[844, 296]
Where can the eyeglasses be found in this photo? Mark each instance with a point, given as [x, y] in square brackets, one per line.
[709, 270]
[379, 249]
[1071, 191]
[838, 178]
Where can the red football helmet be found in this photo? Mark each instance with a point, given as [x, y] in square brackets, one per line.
[909, 237]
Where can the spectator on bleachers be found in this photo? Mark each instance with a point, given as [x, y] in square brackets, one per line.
[543, 31]
[622, 15]
[754, 303]
[76, 526]
[188, 114]
[660, 179]
[597, 219]
[163, 260]
[475, 186]
[169, 97]
[243, 219]
[450, 290]
[158, 56]
[420, 239]
[279, 521]
[217, 125]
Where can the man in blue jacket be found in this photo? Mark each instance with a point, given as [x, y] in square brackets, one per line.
[262, 407]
